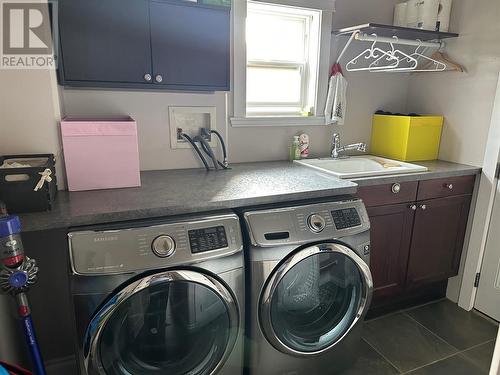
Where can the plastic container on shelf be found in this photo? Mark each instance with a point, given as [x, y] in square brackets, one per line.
[406, 138]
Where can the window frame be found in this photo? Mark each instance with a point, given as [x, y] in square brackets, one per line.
[317, 96]
[303, 66]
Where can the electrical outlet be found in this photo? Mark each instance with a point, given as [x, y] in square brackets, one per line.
[192, 121]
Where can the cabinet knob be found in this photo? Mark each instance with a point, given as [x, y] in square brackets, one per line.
[449, 186]
[423, 207]
[413, 207]
[148, 77]
[159, 78]
[396, 188]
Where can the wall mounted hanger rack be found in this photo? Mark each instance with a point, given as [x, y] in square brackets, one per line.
[394, 35]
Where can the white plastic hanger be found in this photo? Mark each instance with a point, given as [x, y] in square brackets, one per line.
[370, 53]
[431, 66]
[394, 53]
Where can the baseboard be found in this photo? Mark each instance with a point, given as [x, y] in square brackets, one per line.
[408, 299]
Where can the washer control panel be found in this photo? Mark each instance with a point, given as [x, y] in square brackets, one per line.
[154, 244]
[346, 218]
[207, 239]
[314, 222]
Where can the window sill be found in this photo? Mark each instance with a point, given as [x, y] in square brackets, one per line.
[241, 122]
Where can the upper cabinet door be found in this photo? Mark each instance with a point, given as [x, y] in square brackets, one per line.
[105, 41]
[190, 44]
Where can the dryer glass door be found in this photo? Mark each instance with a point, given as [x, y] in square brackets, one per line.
[176, 322]
[314, 298]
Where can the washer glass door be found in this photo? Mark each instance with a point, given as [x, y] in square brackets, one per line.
[177, 322]
[314, 298]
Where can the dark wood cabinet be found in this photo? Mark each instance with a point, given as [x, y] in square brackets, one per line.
[416, 243]
[438, 239]
[382, 195]
[391, 229]
[190, 45]
[149, 44]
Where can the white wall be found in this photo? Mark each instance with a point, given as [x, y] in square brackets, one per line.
[30, 109]
[29, 112]
[466, 100]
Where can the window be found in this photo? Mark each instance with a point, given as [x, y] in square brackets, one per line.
[282, 59]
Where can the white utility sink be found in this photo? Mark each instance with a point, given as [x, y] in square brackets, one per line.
[361, 166]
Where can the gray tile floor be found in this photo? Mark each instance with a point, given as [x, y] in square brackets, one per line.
[435, 339]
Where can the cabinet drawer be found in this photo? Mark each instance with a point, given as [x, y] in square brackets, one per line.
[446, 187]
[386, 194]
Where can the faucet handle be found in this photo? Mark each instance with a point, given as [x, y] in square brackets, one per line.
[336, 139]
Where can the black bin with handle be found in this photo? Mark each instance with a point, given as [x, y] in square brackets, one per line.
[17, 185]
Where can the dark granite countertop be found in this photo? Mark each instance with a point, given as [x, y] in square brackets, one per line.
[177, 192]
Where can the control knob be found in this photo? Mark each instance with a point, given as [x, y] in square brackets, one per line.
[163, 246]
[316, 223]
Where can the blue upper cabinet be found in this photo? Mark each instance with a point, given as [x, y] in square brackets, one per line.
[148, 44]
[190, 45]
[104, 42]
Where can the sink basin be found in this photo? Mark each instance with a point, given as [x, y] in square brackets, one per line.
[361, 166]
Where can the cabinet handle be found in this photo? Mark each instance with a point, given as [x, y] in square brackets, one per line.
[148, 77]
[159, 78]
[423, 207]
[396, 188]
[413, 207]
[449, 186]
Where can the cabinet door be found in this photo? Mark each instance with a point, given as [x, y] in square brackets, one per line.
[391, 228]
[438, 238]
[190, 45]
[104, 41]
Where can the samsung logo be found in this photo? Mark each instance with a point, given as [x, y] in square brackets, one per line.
[106, 239]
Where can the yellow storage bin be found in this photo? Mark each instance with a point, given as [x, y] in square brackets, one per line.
[406, 138]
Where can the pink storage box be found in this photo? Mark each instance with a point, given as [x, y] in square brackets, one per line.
[100, 154]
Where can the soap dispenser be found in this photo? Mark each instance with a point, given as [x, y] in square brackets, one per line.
[295, 149]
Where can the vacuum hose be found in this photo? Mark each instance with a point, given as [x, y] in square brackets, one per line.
[17, 274]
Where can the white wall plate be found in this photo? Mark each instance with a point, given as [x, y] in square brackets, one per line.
[191, 120]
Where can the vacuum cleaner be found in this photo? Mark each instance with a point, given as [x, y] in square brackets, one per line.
[17, 274]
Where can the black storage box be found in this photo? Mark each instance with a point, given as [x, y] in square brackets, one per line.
[17, 184]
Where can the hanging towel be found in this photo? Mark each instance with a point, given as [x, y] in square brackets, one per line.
[336, 101]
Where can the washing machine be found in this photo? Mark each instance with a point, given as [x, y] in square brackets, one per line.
[159, 297]
[309, 286]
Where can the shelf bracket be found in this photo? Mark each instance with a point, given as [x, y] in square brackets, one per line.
[348, 44]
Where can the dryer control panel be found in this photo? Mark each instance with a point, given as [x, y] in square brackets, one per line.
[301, 224]
[167, 244]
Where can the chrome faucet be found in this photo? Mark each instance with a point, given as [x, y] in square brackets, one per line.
[337, 149]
